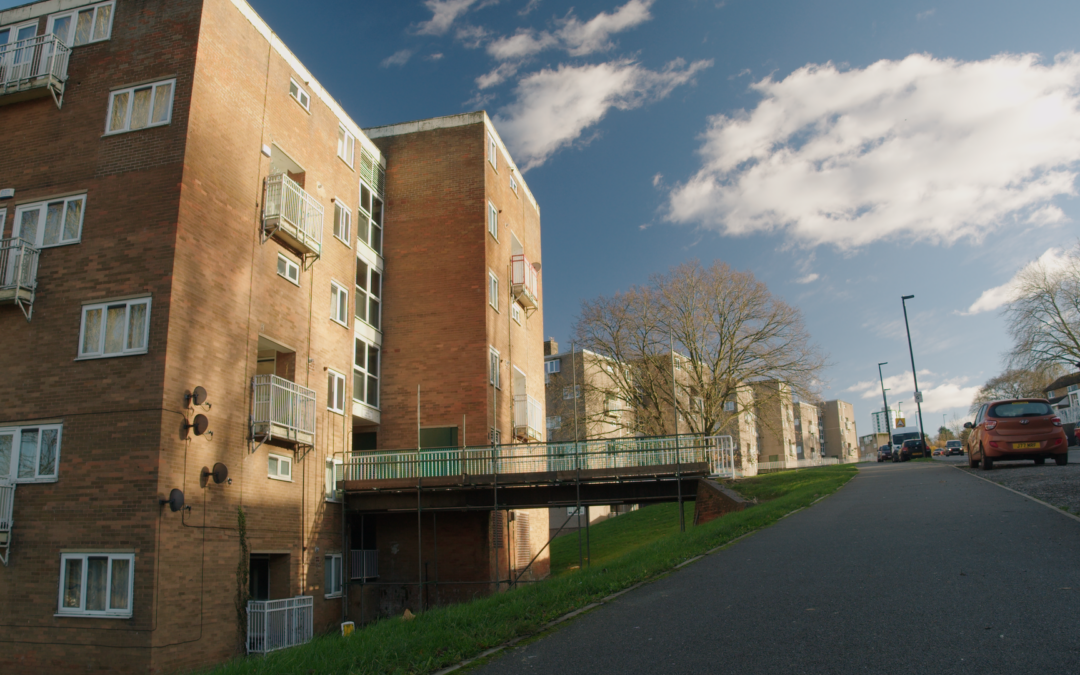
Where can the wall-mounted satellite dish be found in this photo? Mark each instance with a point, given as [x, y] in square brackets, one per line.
[175, 500]
[220, 474]
[199, 425]
[197, 397]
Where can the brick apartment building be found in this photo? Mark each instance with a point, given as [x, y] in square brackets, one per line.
[808, 431]
[776, 423]
[841, 440]
[186, 209]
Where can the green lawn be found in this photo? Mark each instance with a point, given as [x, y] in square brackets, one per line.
[626, 550]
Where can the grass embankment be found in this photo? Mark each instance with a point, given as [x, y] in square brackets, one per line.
[626, 550]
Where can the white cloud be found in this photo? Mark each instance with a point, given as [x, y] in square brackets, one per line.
[999, 296]
[921, 16]
[443, 15]
[435, 57]
[498, 75]
[471, 36]
[938, 396]
[808, 279]
[398, 58]
[532, 4]
[553, 107]
[919, 149]
[577, 38]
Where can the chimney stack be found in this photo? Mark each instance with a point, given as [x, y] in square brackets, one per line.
[551, 347]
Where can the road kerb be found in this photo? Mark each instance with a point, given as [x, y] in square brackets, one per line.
[1025, 496]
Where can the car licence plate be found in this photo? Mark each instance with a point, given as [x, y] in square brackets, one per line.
[1025, 446]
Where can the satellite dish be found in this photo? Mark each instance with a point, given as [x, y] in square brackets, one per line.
[198, 396]
[221, 473]
[175, 500]
[200, 424]
[536, 266]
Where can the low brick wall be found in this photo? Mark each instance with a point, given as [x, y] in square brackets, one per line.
[715, 500]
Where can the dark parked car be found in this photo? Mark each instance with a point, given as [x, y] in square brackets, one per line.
[884, 453]
[902, 453]
[954, 448]
[916, 448]
[1016, 429]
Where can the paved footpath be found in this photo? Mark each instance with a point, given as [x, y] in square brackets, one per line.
[909, 568]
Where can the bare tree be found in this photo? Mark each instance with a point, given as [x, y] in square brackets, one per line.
[1044, 319]
[1017, 383]
[728, 333]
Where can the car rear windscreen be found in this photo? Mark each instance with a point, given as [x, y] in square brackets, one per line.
[1020, 409]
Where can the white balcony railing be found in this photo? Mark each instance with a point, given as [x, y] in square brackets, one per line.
[7, 508]
[528, 417]
[363, 564]
[524, 281]
[293, 214]
[38, 63]
[277, 624]
[18, 274]
[282, 410]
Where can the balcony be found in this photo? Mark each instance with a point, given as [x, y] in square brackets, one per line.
[278, 624]
[7, 507]
[528, 418]
[18, 274]
[294, 216]
[363, 564]
[523, 281]
[33, 68]
[283, 411]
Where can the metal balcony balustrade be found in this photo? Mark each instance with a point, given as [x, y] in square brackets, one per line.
[363, 564]
[529, 458]
[32, 68]
[524, 282]
[18, 274]
[278, 624]
[528, 418]
[7, 508]
[282, 411]
[293, 215]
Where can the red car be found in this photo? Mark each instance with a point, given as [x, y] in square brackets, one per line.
[1017, 429]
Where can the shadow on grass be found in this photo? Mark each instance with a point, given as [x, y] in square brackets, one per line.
[444, 636]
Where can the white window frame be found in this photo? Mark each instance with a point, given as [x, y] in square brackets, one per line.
[290, 266]
[366, 211]
[104, 307]
[346, 145]
[342, 222]
[16, 434]
[42, 208]
[569, 393]
[493, 221]
[335, 391]
[335, 470]
[81, 610]
[554, 422]
[513, 184]
[515, 312]
[365, 373]
[336, 592]
[493, 290]
[278, 475]
[494, 376]
[339, 303]
[301, 96]
[493, 152]
[130, 91]
[553, 366]
[74, 14]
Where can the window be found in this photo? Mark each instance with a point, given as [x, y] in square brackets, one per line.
[96, 584]
[493, 290]
[339, 303]
[366, 373]
[147, 105]
[298, 93]
[369, 221]
[342, 223]
[345, 145]
[513, 184]
[552, 366]
[335, 391]
[554, 422]
[90, 24]
[495, 436]
[51, 223]
[515, 312]
[493, 368]
[30, 454]
[493, 221]
[729, 406]
[611, 404]
[569, 393]
[279, 467]
[288, 269]
[493, 152]
[335, 472]
[114, 328]
[332, 567]
[368, 293]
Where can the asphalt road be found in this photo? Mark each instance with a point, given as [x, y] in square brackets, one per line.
[909, 568]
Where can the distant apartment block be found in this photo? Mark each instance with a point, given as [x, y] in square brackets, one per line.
[838, 423]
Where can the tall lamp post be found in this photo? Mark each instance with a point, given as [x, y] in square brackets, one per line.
[914, 376]
[888, 422]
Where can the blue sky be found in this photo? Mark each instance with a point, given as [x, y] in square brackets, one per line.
[846, 153]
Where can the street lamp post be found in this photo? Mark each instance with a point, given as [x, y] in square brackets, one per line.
[888, 422]
[914, 376]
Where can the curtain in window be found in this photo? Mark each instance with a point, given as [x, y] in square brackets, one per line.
[47, 453]
[114, 329]
[119, 111]
[28, 227]
[82, 27]
[54, 215]
[6, 441]
[97, 580]
[28, 445]
[92, 332]
[140, 109]
[72, 219]
[73, 583]
[104, 17]
[121, 582]
[137, 327]
[161, 103]
[61, 28]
